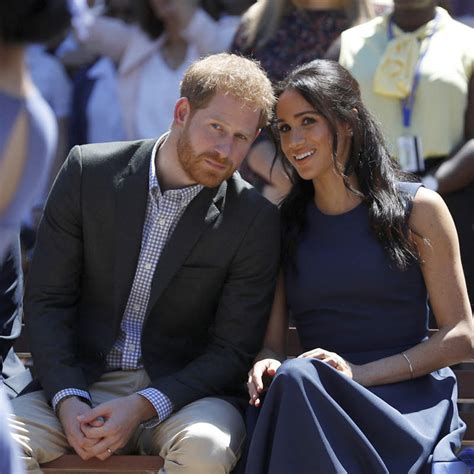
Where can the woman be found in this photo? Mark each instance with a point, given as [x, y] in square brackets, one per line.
[28, 134]
[283, 34]
[28, 138]
[361, 252]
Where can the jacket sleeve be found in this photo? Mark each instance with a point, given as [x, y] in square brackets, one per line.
[53, 287]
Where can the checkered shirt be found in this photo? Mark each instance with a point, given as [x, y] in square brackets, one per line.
[162, 215]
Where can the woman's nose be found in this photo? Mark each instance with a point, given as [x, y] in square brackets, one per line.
[296, 138]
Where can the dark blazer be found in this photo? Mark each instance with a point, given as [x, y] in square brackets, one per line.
[211, 292]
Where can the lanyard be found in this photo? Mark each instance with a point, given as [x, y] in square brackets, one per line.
[407, 104]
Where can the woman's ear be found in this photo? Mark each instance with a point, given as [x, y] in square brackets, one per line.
[355, 114]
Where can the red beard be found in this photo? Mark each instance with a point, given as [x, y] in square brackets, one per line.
[208, 168]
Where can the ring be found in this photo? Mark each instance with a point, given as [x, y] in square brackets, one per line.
[109, 451]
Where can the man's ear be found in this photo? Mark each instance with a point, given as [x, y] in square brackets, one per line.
[182, 111]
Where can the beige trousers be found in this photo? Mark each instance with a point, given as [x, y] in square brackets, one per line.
[205, 436]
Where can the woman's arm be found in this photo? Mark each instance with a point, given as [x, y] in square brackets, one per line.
[444, 279]
[273, 352]
[108, 37]
[13, 160]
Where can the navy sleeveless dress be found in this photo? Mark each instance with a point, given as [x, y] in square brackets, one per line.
[346, 296]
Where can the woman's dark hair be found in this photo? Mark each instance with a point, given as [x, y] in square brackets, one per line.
[335, 94]
[33, 21]
[148, 20]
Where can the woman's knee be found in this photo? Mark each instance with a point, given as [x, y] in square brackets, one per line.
[296, 369]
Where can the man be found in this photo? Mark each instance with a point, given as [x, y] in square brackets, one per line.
[152, 277]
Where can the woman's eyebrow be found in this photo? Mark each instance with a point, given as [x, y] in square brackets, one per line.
[299, 114]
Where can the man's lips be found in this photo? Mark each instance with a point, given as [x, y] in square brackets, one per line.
[216, 164]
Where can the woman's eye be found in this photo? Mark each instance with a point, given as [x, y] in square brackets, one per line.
[283, 128]
[308, 120]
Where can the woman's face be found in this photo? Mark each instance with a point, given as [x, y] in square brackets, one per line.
[306, 139]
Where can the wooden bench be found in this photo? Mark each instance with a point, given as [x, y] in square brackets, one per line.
[116, 464]
[132, 464]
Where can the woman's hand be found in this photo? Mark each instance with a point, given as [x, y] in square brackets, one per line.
[332, 359]
[256, 381]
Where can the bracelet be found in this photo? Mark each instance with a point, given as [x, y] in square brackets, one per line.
[409, 364]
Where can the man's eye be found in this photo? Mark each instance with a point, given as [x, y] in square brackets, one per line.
[241, 137]
[216, 126]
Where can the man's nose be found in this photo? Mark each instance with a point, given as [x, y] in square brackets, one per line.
[224, 148]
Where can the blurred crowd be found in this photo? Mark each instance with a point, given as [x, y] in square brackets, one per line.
[110, 70]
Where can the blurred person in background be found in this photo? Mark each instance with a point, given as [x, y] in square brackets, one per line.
[97, 115]
[219, 8]
[52, 81]
[152, 57]
[282, 34]
[461, 10]
[382, 6]
[415, 69]
[28, 138]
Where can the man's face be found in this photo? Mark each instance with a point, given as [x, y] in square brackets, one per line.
[215, 140]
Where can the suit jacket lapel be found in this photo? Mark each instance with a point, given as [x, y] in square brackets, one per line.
[132, 194]
[200, 213]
